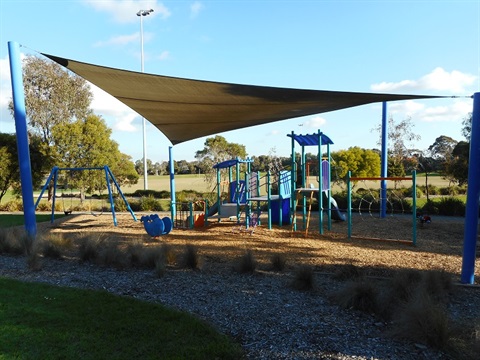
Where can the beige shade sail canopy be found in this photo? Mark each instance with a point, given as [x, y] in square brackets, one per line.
[185, 109]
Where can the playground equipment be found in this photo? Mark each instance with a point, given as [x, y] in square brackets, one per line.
[303, 191]
[154, 226]
[232, 207]
[110, 179]
[278, 205]
[383, 200]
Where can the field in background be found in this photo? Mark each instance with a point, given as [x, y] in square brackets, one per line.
[197, 182]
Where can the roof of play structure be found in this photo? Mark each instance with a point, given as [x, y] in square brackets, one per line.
[311, 139]
[185, 109]
[229, 163]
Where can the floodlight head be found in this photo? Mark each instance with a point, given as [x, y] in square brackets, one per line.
[144, 12]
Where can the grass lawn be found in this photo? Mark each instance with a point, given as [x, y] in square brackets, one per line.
[7, 220]
[39, 321]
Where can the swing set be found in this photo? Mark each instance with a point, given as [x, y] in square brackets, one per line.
[110, 179]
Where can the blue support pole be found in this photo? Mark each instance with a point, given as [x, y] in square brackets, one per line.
[22, 139]
[110, 196]
[329, 188]
[349, 204]
[172, 182]
[269, 199]
[384, 162]
[293, 198]
[320, 183]
[473, 193]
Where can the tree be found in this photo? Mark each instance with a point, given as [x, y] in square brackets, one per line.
[217, 149]
[467, 127]
[457, 169]
[361, 162]
[400, 139]
[52, 96]
[87, 143]
[9, 167]
[442, 148]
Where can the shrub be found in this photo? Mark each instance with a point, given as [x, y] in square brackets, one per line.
[303, 278]
[149, 203]
[358, 295]
[190, 257]
[53, 245]
[347, 272]
[279, 262]
[451, 206]
[9, 242]
[438, 284]
[90, 246]
[430, 207]
[422, 319]
[247, 263]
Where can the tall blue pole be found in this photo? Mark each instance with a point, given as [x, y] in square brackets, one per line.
[22, 139]
[473, 192]
[384, 164]
[171, 169]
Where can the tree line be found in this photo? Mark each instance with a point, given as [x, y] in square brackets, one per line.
[64, 131]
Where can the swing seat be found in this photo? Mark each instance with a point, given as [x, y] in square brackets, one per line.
[154, 226]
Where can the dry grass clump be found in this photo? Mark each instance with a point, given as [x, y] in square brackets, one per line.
[303, 278]
[422, 319]
[10, 243]
[54, 245]
[347, 272]
[90, 246]
[190, 258]
[412, 302]
[278, 262]
[247, 263]
[359, 295]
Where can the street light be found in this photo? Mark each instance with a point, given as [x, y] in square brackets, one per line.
[141, 14]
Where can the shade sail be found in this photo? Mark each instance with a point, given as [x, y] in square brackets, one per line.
[185, 109]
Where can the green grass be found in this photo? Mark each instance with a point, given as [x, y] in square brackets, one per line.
[39, 321]
[7, 220]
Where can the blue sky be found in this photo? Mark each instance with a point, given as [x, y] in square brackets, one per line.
[408, 47]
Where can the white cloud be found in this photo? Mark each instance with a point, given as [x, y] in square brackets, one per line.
[124, 11]
[120, 40]
[109, 107]
[164, 55]
[195, 9]
[454, 82]
[315, 123]
[417, 111]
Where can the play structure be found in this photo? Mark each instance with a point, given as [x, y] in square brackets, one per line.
[156, 226]
[52, 181]
[233, 206]
[382, 199]
[306, 193]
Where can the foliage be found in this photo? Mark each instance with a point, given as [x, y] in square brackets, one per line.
[279, 262]
[247, 263]
[217, 149]
[361, 162]
[52, 96]
[467, 127]
[400, 140]
[303, 278]
[9, 166]
[457, 169]
[86, 143]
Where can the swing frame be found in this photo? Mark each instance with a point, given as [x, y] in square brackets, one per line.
[109, 179]
[414, 204]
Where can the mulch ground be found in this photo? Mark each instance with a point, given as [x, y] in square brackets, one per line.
[380, 246]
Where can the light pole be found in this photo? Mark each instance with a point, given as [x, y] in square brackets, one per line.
[141, 14]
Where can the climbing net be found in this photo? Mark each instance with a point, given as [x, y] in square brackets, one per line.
[384, 212]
